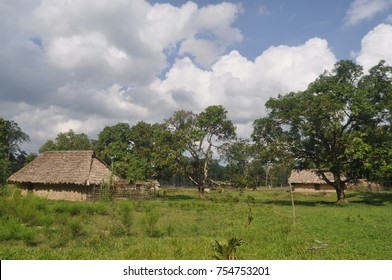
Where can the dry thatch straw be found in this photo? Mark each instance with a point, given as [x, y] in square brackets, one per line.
[309, 176]
[64, 167]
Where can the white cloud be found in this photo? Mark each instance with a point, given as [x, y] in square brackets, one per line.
[82, 51]
[243, 86]
[205, 52]
[44, 123]
[361, 10]
[128, 38]
[375, 46]
[96, 62]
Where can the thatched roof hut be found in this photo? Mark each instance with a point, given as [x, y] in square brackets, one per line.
[309, 179]
[63, 174]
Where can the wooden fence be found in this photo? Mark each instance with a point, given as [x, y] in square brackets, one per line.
[124, 192]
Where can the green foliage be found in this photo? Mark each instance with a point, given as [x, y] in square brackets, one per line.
[198, 135]
[330, 125]
[76, 228]
[11, 156]
[150, 221]
[124, 212]
[68, 141]
[250, 217]
[136, 152]
[227, 250]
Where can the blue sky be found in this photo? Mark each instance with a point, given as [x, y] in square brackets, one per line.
[82, 65]
[266, 23]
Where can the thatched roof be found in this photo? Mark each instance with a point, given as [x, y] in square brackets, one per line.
[64, 167]
[309, 176]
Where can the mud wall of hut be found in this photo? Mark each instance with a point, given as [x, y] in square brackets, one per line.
[58, 191]
[311, 186]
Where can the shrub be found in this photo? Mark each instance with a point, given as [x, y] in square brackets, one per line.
[11, 229]
[124, 212]
[227, 250]
[150, 221]
[76, 228]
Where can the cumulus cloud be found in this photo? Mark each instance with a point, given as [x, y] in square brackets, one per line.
[83, 64]
[243, 86]
[376, 46]
[43, 123]
[125, 40]
[361, 10]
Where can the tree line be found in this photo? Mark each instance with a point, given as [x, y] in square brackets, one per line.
[341, 124]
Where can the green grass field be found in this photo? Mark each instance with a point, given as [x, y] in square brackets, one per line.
[178, 225]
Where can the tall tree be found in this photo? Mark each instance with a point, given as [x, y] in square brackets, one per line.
[239, 156]
[114, 145]
[378, 86]
[68, 141]
[136, 152]
[329, 125]
[271, 151]
[11, 137]
[199, 135]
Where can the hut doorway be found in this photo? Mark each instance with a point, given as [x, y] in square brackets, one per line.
[30, 187]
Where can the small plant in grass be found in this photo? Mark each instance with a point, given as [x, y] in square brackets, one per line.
[76, 228]
[227, 250]
[150, 224]
[169, 230]
[126, 216]
[250, 200]
[250, 217]
[6, 191]
[60, 240]
[105, 193]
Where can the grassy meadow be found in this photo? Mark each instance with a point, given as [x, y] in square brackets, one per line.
[178, 225]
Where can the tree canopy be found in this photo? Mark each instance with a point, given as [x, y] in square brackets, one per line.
[331, 126]
[11, 155]
[198, 135]
[68, 141]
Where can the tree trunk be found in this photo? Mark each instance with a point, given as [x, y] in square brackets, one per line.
[338, 184]
[200, 187]
[201, 192]
[341, 196]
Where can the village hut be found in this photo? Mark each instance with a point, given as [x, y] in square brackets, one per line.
[147, 184]
[309, 180]
[63, 175]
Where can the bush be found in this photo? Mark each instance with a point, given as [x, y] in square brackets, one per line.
[76, 228]
[150, 221]
[11, 229]
[124, 212]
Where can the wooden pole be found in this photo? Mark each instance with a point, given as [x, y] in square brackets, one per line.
[292, 204]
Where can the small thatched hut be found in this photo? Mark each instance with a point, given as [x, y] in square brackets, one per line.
[63, 175]
[310, 180]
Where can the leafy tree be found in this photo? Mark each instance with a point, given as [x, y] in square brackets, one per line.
[68, 141]
[198, 135]
[239, 156]
[164, 154]
[113, 146]
[329, 126]
[11, 137]
[137, 152]
[378, 86]
[271, 152]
